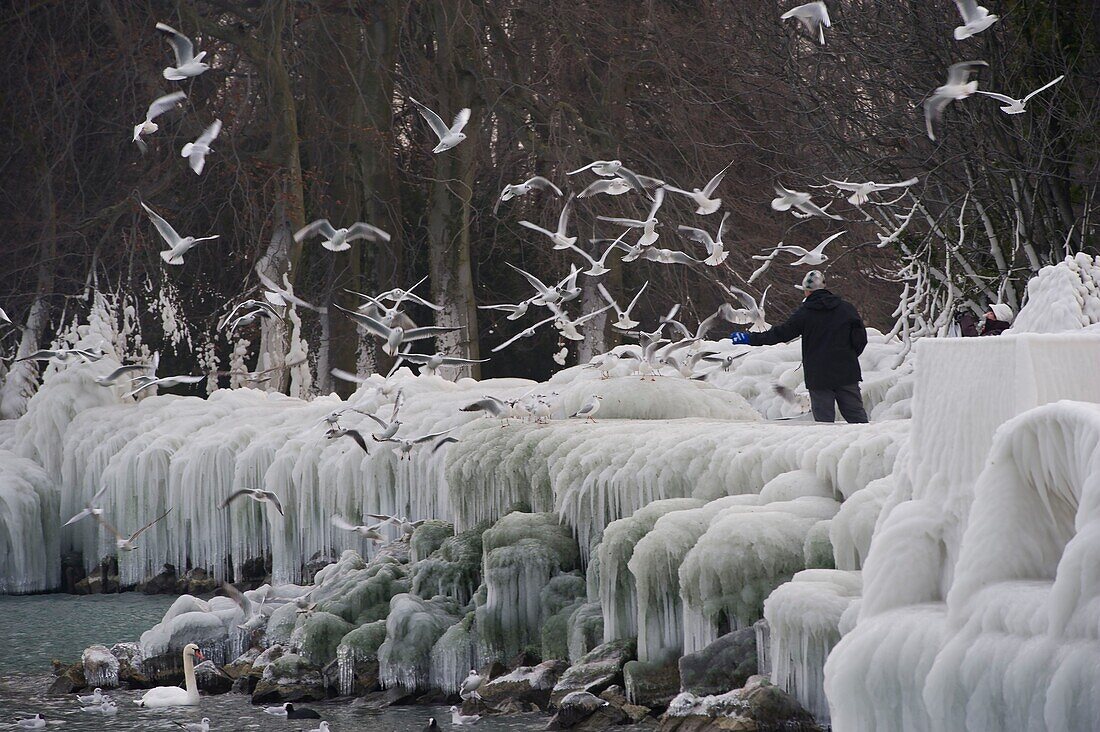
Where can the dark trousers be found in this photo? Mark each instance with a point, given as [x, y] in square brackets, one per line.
[823, 401]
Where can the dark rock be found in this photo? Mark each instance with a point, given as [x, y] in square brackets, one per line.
[615, 695]
[494, 669]
[651, 684]
[602, 719]
[379, 700]
[212, 679]
[69, 681]
[289, 679]
[433, 698]
[525, 658]
[574, 708]
[160, 584]
[316, 563]
[596, 670]
[265, 659]
[72, 571]
[254, 572]
[758, 707]
[725, 664]
[196, 582]
[242, 664]
[528, 684]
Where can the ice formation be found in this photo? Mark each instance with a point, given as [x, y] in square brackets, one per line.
[30, 559]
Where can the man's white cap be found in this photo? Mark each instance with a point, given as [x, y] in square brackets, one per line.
[1003, 312]
[814, 280]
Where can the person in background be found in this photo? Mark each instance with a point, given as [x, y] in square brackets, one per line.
[833, 336]
[996, 321]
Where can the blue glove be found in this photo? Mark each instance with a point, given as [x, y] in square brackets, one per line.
[740, 338]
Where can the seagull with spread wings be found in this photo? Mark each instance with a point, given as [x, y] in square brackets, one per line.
[188, 63]
[448, 136]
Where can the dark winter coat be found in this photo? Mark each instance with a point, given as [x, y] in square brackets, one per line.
[833, 336]
[968, 325]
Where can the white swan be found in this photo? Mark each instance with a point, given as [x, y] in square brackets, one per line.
[174, 696]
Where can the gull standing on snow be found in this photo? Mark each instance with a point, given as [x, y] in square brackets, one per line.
[958, 87]
[188, 64]
[127, 543]
[177, 245]
[338, 240]
[448, 136]
[814, 17]
[367, 532]
[624, 321]
[561, 237]
[861, 191]
[258, 495]
[702, 197]
[588, 409]
[522, 189]
[975, 19]
[159, 106]
[1019, 106]
[196, 151]
[811, 257]
[716, 248]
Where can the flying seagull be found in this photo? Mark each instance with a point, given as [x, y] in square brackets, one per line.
[810, 257]
[624, 321]
[164, 381]
[1018, 106]
[448, 136]
[256, 494]
[91, 509]
[958, 86]
[703, 196]
[975, 19]
[648, 227]
[196, 151]
[126, 543]
[187, 63]
[716, 248]
[861, 191]
[395, 337]
[561, 237]
[337, 240]
[597, 267]
[430, 363]
[177, 245]
[668, 256]
[522, 189]
[367, 532]
[814, 17]
[616, 169]
[786, 199]
[159, 106]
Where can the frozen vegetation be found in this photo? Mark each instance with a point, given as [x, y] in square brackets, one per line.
[930, 570]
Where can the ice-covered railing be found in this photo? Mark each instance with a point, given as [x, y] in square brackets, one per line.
[880, 675]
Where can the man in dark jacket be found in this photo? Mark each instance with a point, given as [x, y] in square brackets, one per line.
[833, 336]
[996, 321]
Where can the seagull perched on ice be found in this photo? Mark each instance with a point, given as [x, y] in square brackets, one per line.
[535, 183]
[395, 337]
[337, 240]
[702, 196]
[958, 86]
[861, 191]
[159, 106]
[91, 509]
[716, 248]
[367, 532]
[624, 321]
[975, 19]
[814, 17]
[811, 257]
[188, 64]
[177, 245]
[470, 685]
[196, 151]
[258, 495]
[459, 719]
[448, 136]
[1018, 106]
[202, 726]
[561, 237]
[588, 409]
[126, 543]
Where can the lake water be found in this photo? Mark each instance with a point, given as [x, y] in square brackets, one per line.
[38, 628]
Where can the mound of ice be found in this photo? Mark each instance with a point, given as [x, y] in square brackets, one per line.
[413, 626]
[30, 558]
[1063, 296]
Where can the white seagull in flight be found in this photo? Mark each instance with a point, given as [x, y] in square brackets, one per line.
[448, 136]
